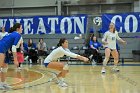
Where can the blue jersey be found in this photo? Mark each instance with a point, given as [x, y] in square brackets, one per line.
[9, 40]
[95, 44]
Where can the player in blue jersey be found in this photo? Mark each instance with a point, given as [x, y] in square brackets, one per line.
[11, 40]
[2, 34]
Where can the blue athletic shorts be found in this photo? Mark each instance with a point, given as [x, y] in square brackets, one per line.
[2, 49]
[46, 64]
[7, 58]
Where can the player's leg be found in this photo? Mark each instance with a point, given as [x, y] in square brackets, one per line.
[116, 59]
[2, 75]
[107, 56]
[4, 70]
[58, 66]
[63, 71]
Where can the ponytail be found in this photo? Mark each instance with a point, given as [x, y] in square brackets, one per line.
[11, 30]
[114, 30]
[61, 41]
[58, 45]
[16, 25]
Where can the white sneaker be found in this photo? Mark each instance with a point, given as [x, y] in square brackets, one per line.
[54, 79]
[115, 69]
[26, 58]
[103, 71]
[63, 84]
[93, 63]
[2, 87]
[90, 57]
[30, 61]
[6, 86]
[57, 81]
[18, 69]
[50, 80]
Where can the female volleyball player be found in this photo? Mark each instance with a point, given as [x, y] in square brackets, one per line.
[2, 34]
[8, 41]
[109, 40]
[7, 55]
[51, 60]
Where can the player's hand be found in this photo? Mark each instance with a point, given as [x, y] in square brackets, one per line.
[9, 52]
[21, 51]
[85, 59]
[124, 42]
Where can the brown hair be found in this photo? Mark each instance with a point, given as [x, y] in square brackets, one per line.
[14, 28]
[61, 41]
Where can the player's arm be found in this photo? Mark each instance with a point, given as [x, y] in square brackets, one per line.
[82, 58]
[104, 39]
[73, 55]
[119, 39]
[14, 51]
[21, 44]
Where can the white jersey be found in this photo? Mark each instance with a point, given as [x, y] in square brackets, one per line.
[59, 52]
[3, 34]
[110, 38]
[20, 41]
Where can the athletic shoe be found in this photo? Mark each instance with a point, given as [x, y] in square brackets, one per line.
[50, 80]
[18, 69]
[90, 57]
[2, 87]
[6, 86]
[26, 58]
[54, 79]
[57, 81]
[103, 70]
[63, 84]
[115, 69]
[93, 62]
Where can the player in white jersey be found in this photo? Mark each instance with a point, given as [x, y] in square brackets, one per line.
[109, 41]
[51, 60]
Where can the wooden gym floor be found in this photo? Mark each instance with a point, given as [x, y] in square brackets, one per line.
[81, 79]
